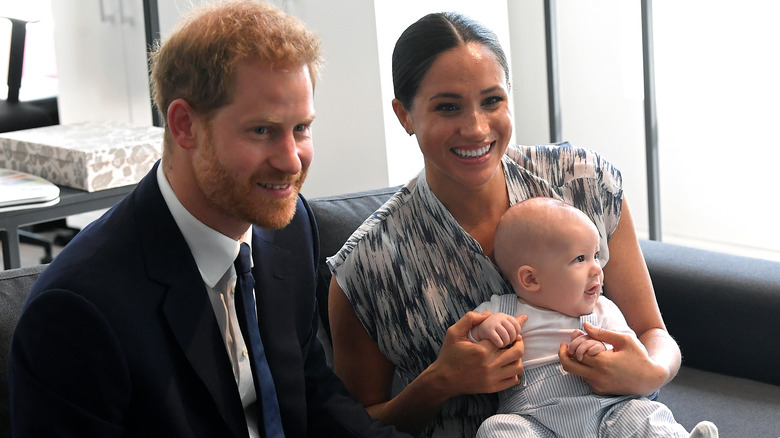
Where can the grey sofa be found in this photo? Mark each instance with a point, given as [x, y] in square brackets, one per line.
[723, 310]
[14, 285]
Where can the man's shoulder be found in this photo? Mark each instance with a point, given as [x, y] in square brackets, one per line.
[107, 257]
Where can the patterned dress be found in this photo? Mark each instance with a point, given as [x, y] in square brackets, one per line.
[410, 271]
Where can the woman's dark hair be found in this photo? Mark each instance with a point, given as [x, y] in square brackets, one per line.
[422, 42]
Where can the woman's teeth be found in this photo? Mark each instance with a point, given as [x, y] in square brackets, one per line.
[473, 153]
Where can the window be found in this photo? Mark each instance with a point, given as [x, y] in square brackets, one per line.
[718, 119]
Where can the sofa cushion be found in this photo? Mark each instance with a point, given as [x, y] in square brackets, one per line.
[739, 407]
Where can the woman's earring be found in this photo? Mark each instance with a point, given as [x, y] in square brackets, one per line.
[411, 133]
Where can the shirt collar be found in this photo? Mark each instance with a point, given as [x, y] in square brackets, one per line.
[214, 252]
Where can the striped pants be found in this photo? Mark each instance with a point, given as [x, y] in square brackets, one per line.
[553, 403]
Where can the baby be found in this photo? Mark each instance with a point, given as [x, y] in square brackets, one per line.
[549, 252]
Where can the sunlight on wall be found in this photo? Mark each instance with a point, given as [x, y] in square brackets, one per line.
[719, 123]
[717, 90]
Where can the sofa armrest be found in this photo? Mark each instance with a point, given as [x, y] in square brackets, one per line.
[722, 309]
[15, 284]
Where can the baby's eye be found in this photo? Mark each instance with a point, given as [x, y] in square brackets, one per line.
[579, 259]
[597, 256]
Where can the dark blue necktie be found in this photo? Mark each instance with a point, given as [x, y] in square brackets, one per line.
[247, 319]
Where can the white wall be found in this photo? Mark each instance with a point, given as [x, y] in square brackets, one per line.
[349, 149]
[101, 61]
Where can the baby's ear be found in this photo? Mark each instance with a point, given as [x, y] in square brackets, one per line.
[527, 279]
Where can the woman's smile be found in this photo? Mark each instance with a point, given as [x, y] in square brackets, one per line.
[472, 152]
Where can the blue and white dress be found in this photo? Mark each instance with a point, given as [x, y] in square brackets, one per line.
[410, 271]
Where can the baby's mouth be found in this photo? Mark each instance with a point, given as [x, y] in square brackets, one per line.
[595, 290]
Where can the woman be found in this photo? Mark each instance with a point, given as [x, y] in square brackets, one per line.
[404, 281]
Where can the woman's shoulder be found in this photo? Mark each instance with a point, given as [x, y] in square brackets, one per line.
[560, 163]
[555, 154]
[380, 224]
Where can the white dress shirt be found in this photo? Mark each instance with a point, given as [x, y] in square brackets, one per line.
[214, 255]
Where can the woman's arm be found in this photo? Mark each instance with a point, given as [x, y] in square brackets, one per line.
[627, 369]
[462, 367]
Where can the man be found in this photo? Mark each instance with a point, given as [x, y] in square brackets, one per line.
[134, 330]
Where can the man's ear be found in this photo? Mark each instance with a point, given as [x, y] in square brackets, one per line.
[182, 123]
[403, 116]
[527, 279]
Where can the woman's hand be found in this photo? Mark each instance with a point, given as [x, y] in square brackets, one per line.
[466, 367]
[462, 367]
[626, 369]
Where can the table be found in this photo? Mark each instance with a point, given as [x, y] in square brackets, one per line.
[72, 201]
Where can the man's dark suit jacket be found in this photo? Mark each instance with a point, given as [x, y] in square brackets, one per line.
[118, 336]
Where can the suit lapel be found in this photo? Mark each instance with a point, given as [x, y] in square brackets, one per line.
[186, 306]
[192, 321]
[276, 309]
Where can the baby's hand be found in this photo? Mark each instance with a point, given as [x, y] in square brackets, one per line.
[499, 328]
[582, 344]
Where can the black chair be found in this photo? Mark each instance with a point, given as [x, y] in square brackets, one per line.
[16, 114]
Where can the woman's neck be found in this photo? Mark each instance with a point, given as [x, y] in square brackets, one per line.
[477, 209]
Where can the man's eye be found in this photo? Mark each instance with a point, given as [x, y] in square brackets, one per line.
[261, 130]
